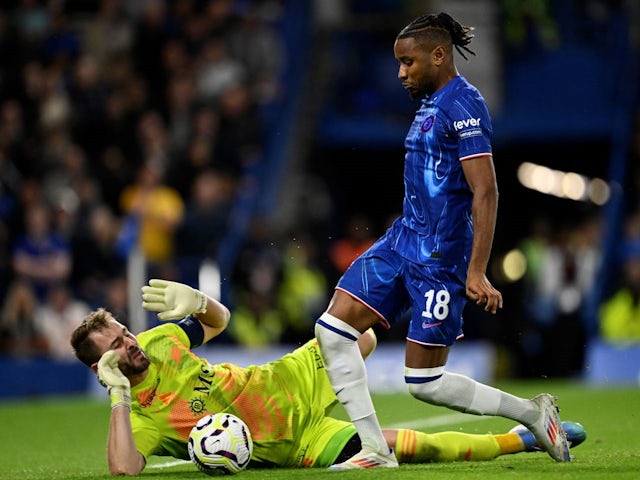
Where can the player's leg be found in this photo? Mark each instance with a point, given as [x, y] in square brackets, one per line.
[367, 343]
[411, 446]
[575, 433]
[368, 293]
[435, 325]
[344, 362]
[461, 393]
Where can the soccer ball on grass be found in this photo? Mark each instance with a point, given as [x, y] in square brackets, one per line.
[220, 443]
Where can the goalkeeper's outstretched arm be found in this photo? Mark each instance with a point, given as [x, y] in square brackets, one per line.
[214, 320]
[174, 301]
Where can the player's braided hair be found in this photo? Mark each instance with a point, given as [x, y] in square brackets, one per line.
[460, 35]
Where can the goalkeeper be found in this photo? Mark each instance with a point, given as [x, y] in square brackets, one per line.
[159, 389]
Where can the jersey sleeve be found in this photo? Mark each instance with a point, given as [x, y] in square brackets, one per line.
[146, 436]
[192, 327]
[187, 331]
[471, 124]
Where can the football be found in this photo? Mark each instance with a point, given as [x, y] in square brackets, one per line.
[220, 443]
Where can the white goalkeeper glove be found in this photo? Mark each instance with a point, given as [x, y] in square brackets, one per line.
[172, 300]
[110, 376]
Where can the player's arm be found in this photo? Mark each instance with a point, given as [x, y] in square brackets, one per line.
[480, 175]
[174, 301]
[215, 320]
[122, 456]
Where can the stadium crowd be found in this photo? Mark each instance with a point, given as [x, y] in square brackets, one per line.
[122, 125]
[129, 125]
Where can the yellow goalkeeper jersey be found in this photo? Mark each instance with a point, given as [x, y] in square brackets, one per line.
[284, 403]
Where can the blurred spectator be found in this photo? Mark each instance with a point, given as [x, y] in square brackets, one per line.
[151, 31]
[207, 213]
[217, 71]
[116, 298]
[61, 46]
[18, 334]
[255, 43]
[153, 139]
[114, 173]
[242, 134]
[68, 189]
[302, 294]
[220, 15]
[88, 92]
[10, 51]
[10, 182]
[633, 173]
[40, 256]
[257, 323]
[565, 265]
[257, 276]
[108, 33]
[358, 237]
[12, 129]
[529, 26]
[33, 21]
[156, 210]
[95, 259]
[32, 93]
[55, 110]
[620, 313]
[180, 97]
[535, 248]
[56, 318]
[200, 153]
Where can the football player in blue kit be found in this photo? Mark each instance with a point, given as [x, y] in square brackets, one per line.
[434, 257]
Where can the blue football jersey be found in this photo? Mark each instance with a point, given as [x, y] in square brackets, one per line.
[451, 126]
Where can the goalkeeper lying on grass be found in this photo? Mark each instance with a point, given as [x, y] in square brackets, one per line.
[159, 389]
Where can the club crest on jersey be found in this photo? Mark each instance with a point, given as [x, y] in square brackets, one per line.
[428, 123]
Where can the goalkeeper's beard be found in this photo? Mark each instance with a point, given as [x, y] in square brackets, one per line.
[134, 367]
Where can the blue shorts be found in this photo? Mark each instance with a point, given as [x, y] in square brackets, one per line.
[391, 285]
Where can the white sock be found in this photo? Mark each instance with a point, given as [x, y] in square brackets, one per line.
[348, 376]
[435, 386]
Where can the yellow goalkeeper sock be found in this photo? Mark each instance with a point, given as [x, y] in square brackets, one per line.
[419, 447]
[510, 443]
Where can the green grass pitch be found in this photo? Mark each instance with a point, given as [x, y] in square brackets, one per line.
[65, 438]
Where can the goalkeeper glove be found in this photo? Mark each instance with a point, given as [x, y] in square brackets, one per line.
[173, 300]
[110, 377]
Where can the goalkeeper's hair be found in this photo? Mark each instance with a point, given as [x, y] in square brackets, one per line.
[83, 346]
[439, 28]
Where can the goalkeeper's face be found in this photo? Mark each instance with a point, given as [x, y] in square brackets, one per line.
[133, 360]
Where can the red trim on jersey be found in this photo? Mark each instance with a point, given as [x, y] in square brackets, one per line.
[433, 344]
[475, 155]
[383, 322]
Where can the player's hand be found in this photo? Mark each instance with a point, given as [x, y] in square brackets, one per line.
[172, 300]
[480, 290]
[111, 377]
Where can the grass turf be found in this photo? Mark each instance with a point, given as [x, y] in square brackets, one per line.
[65, 438]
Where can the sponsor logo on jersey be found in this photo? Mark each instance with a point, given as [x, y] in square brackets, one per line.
[426, 325]
[313, 349]
[469, 122]
[145, 399]
[476, 132]
[197, 405]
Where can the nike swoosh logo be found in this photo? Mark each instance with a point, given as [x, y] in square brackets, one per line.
[430, 325]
